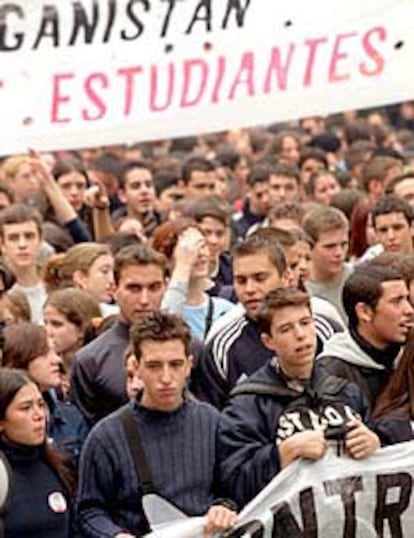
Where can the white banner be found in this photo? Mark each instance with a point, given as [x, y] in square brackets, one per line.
[93, 72]
[337, 497]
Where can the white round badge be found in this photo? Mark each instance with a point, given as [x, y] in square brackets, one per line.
[57, 502]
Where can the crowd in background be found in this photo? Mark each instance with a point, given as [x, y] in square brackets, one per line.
[96, 243]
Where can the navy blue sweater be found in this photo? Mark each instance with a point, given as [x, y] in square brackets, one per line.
[181, 451]
[38, 506]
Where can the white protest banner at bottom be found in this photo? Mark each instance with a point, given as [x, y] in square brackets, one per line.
[336, 497]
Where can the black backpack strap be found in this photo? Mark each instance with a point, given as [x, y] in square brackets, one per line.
[137, 451]
[209, 316]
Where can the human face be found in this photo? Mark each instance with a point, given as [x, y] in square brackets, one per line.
[309, 167]
[290, 149]
[216, 236]
[138, 192]
[405, 190]
[241, 171]
[329, 254]
[293, 339]
[164, 368]
[134, 383]
[24, 422]
[25, 184]
[254, 276]
[201, 266]
[326, 186]
[221, 187]
[169, 196]
[283, 189]
[394, 233]
[21, 244]
[73, 186]
[389, 322]
[259, 198]
[140, 290]
[201, 183]
[64, 335]
[100, 278]
[305, 260]
[292, 261]
[45, 370]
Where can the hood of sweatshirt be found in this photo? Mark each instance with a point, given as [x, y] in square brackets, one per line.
[343, 346]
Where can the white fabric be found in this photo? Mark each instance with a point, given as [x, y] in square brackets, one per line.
[212, 66]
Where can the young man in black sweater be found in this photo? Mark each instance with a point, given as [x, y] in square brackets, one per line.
[178, 437]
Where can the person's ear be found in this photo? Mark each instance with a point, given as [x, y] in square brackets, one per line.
[288, 278]
[121, 196]
[364, 312]
[267, 341]
[79, 279]
[190, 364]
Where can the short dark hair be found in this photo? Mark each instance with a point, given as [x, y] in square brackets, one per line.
[228, 156]
[315, 154]
[259, 173]
[196, 164]
[282, 168]
[364, 285]
[131, 165]
[392, 204]
[159, 326]
[19, 214]
[164, 179]
[255, 244]
[68, 164]
[209, 206]
[277, 299]
[138, 255]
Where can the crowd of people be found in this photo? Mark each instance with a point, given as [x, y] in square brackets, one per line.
[188, 317]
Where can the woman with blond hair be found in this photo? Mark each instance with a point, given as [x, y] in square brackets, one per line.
[88, 266]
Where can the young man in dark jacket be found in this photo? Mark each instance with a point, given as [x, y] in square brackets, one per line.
[288, 408]
[380, 315]
[234, 347]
